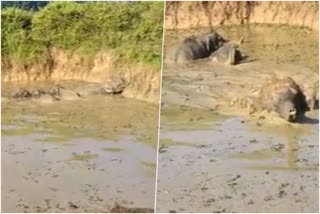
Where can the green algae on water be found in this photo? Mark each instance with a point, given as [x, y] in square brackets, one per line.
[149, 168]
[176, 118]
[53, 139]
[285, 168]
[82, 157]
[263, 154]
[170, 142]
[98, 117]
[17, 131]
[113, 150]
[149, 164]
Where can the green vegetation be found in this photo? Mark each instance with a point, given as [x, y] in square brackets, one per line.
[131, 30]
[114, 150]
[83, 157]
[168, 141]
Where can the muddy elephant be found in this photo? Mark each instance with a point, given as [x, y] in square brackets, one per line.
[228, 54]
[195, 48]
[312, 95]
[46, 98]
[284, 97]
[91, 89]
[38, 93]
[64, 94]
[115, 85]
[112, 86]
[22, 93]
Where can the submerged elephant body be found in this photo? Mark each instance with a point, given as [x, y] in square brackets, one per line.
[91, 89]
[46, 98]
[63, 93]
[195, 48]
[113, 86]
[22, 94]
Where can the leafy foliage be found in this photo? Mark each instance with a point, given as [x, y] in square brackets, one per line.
[16, 36]
[132, 30]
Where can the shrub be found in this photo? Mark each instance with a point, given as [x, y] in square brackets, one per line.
[132, 30]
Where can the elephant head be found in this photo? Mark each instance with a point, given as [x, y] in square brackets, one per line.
[212, 41]
[287, 110]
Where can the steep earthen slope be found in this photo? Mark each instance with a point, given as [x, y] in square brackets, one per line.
[181, 15]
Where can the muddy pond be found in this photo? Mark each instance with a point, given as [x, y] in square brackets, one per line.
[214, 157]
[77, 156]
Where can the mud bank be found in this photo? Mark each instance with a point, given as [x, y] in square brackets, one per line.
[183, 15]
[60, 65]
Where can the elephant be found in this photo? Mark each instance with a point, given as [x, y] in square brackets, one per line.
[312, 95]
[38, 93]
[22, 94]
[91, 89]
[193, 48]
[115, 85]
[46, 98]
[283, 96]
[63, 93]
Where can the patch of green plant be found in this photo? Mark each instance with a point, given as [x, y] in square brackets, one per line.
[168, 141]
[84, 156]
[131, 30]
[114, 150]
[17, 42]
[17, 131]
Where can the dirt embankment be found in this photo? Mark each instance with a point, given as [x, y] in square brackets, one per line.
[182, 15]
[61, 65]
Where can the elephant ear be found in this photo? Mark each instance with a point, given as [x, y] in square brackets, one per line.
[293, 90]
[210, 41]
[214, 41]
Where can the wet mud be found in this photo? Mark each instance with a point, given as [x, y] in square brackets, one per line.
[78, 156]
[230, 159]
[237, 165]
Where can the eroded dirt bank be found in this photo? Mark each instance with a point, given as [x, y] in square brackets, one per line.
[183, 15]
[58, 65]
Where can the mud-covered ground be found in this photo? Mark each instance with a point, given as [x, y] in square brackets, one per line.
[214, 156]
[78, 156]
[234, 165]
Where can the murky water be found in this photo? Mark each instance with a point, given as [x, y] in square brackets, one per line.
[239, 162]
[232, 165]
[78, 156]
